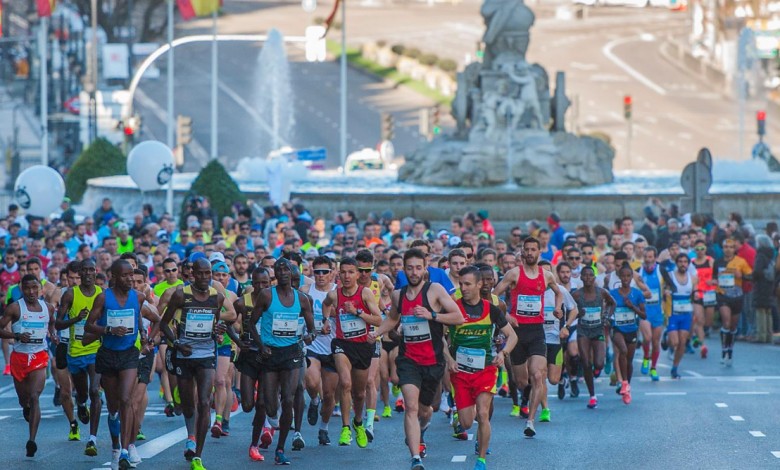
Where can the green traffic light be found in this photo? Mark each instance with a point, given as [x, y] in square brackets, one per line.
[437, 130]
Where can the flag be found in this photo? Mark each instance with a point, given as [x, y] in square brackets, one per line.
[190, 9]
[331, 17]
[45, 7]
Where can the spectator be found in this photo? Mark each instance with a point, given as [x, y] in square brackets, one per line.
[763, 288]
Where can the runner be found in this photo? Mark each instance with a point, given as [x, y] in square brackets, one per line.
[63, 393]
[571, 356]
[472, 359]
[31, 320]
[652, 329]
[705, 299]
[223, 379]
[353, 308]
[278, 310]
[729, 272]
[526, 285]
[115, 319]
[75, 307]
[681, 291]
[198, 310]
[629, 304]
[422, 308]
[594, 305]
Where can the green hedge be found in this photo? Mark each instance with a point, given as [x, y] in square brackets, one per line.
[101, 158]
[215, 183]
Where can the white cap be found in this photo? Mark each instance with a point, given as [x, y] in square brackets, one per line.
[312, 253]
[216, 256]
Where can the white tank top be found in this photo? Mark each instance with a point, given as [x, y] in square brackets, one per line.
[681, 298]
[35, 323]
[320, 344]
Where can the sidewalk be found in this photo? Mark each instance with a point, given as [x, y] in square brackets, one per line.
[15, 114]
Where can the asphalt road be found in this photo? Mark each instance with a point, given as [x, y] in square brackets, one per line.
[714, 417]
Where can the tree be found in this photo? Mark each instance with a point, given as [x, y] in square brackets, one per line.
[101, 158]
[113, 14]
[215, 183]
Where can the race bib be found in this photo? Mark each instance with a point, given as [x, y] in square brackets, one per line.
[284, 325]
[37, 330]
[470, 359]
[655, 297]
[352, 326]
[65, 336]
[199, 325]
[726, 280]
[415, 329]
[318, 322]
[592, 316]
[117, 318]
[709, 299]
[78, 329]
[529, 305]
[624, 316]
[682, 305]
[549, 317]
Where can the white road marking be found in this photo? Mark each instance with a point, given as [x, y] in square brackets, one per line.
[736, 379]
[581, 66]
[776, 453]
[748, 393]
[4, 417]
[607, 51]
[694, 374]
[737, 418]
[757, 434]
[671, 394]
[458, 458]
[721, 405]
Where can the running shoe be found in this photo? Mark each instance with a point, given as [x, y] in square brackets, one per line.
[387, 412]
[423, 450]
[56, 398]
[654, 375]
[529, 430]
[645, 366]
[515, 411]
[596, 373]
[370, 432]
[91, 449]
[729, 361]
[280, 458]
[619, 389]
[197, 464]
[322, 437]
[124, 461]
[675, 374]
[689, 349]
[346, 436]
[189, 451]
[476, 448]
[225, 428]
[458, 432]
[399, 405]
[480, 465]
[627, 398]
[544, 416]
[83, 413]
[612, 379]
[574, 388]
[169, 410]
[115, 453]
[704, 350]
[417, 464]
[608, 362]
[216, 430]
[255, 455]
[396, 390]
[267, 437]
[298, 443]
[624, 387]
[360, 435]
[562, 389]
[238, 394]
[337, 410]
[593, 403]
[311, 416]
[140, 436]
[696, 341]
[7, 370]
[503, 392]
[31, 448]
[524, 411]
[234, 406]
[132, 453]
[74, 434]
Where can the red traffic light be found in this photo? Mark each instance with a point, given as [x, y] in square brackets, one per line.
[627, 100]
[761, 115]
[128, 131]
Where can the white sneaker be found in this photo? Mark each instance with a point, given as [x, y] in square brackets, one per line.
[132, 452]
[444, 406]
[115, 459]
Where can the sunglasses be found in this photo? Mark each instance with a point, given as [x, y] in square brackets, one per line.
[516, 234]
[321, 272]
[587, 253]
[575, 258]
[365, 270]
[171, 270]
[700, 248]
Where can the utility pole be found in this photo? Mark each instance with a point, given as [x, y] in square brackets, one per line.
[627, 105]
[43, 40]
[343, 97]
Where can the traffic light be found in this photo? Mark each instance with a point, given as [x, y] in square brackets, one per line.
[435, 119]
[183, 130]
[388, 126]
[627, 102]
[761, 121]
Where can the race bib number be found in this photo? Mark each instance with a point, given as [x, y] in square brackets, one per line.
[709, 298]
[199, 325]
[37, 330]
[318, 322]
[591, 316]
[284, 325]
[415, 329]
[352, 326]
[624, 316]
[65, 336]
[529, 305]
[726, 280]
[682, 305]
[124, 317]
[549, 317]
[470, 359]
[655, 297]
[78, 330]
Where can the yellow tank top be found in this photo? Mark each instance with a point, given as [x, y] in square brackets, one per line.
[75, 347]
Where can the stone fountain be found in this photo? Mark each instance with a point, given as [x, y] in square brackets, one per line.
[510, 128]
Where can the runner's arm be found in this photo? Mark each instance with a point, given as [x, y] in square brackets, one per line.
[640, 284]
[65, 303]
[308, 314]
[448, 311]
[12, 313]
[374, 315]
[92, 332]
[507, 283]
[262, 304]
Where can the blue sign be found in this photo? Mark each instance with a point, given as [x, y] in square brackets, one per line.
[312, 154]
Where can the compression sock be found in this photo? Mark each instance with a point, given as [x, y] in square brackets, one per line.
[574, 367]
[526, 393]
[656, 353]
[218, 419]
[370, 415]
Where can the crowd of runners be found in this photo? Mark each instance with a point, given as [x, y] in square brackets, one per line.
[293, 317]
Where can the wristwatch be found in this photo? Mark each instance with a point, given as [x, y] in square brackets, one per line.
[108, 330]
[433, 316]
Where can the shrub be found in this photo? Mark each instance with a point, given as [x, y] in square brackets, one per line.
[447, 65]
[412, 53]
[398, 49]
[318, 20]
[101, 158]
[428, 59]
[215, 183]
[381, 43]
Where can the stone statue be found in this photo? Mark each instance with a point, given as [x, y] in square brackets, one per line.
[464, 103]
[508, 23]
[528, 100]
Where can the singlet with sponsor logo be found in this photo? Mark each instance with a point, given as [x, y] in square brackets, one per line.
[705, 292]
[471, 343]
[351, 327]
[421, 339]
[75, 347]
[321, 343]
[682, 297]
[116, 315]
[35, 323]
[655, 284]
[196, 323]
[527, 298]
[278, 326]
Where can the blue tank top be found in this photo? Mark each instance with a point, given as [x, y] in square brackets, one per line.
[624, 319]
[653, 281]
[279, 325]
[115, 315]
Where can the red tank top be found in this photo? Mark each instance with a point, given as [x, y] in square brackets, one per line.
[351, 327]
[417, 333]
[704, 273]
[527, 298]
